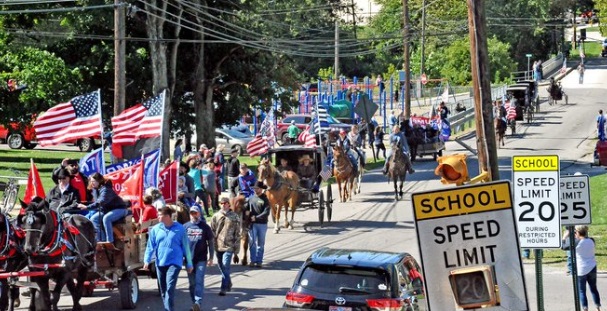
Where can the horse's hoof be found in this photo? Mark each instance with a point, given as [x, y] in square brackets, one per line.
[244, 262]
[276, 230]
[290, 227]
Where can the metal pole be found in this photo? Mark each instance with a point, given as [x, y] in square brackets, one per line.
[407, 62]
[539, 278]
[574, 276]
[422, 66]
[527, 72]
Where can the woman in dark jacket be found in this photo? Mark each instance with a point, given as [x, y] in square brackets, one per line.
[108, 204]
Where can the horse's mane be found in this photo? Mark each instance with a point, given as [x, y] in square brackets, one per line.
[271, 167]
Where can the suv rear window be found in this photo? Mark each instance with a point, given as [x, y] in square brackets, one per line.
[351, 280]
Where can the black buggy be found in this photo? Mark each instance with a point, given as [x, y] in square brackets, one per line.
[308, 197]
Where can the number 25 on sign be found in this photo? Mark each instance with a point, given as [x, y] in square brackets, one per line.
[536, 200]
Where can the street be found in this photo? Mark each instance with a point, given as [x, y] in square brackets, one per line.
[373, 220]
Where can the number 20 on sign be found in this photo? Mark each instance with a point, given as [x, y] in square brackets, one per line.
[536, 200]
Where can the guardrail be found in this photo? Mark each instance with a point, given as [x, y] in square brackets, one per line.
[548, 67]
[465, 119]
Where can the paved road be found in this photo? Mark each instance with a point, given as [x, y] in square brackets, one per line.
[373, 220]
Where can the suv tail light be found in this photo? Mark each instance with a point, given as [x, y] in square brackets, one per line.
[298, 300]
[385, 304]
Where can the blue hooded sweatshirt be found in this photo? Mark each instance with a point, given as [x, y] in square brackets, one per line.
[200, 238]
[168, 245]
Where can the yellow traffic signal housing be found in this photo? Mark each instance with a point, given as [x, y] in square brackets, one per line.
[474, 287]
[452, 169]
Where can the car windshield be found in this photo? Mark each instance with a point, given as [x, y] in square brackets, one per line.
[235, 134]
[351, 280]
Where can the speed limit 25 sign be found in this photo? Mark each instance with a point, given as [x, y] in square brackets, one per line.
[537, 201]
[575, 200]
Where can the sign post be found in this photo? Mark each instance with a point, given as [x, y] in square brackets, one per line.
[468, 245]
[537, 207]
[575, 210]
[528, 63]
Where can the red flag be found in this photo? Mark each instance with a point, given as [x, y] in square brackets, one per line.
[132, 188]
[167, 182]
[34, 185]
[119, 177]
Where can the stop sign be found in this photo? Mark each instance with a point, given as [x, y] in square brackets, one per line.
[424, 78]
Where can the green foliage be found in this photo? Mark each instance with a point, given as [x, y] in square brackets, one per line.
[325, 73]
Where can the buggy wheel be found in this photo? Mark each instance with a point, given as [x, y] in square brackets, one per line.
[329, 203]
[129, 290]
[321, 207]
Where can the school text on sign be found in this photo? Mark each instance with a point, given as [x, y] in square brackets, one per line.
[471, 226]
[536, 200]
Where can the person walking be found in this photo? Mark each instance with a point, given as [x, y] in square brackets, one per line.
[226, 231]
[378, 141]
[586, 267]
[580, 70]
[178, 151]
[168, 243]
[393, 120]
[259, 206]
[293, 132]
[200, 239]
[233, 166]
[600, 125]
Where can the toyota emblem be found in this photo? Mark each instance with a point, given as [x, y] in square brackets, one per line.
[340, 301]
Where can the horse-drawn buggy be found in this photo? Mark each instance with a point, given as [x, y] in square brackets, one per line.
[423, 138]
[61, 248]
[556, 93]
[522, 96]
[302, 166]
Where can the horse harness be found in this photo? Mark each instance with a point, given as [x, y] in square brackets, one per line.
[59, 243]
[10, 246]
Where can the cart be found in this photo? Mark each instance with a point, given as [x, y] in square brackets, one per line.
[523, 94]
[117, 265]
[428, 142]
[308, 198]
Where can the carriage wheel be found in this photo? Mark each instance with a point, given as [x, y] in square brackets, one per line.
[321, 207]
[329, 203]
[129, 290]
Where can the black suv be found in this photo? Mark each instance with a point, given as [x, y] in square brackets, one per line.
[357, 280]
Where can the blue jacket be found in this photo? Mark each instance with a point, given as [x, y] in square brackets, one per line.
[168, 246]
[245, 184]
[106, 198]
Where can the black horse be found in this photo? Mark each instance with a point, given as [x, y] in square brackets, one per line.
[398, 169]
[414, 135]
[61, 245]
[12, 259]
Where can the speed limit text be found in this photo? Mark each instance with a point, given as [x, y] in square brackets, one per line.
[477, 230]
[534, 186]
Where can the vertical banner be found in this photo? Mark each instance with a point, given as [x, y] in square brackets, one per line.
[167, 182]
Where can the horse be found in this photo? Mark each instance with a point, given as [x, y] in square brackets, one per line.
[12, 259]
[345, 173]
[60, 247]
[500, 131]
[239, 207]
[181, 212]
[398, 170]
[414, 135]
[281, 192]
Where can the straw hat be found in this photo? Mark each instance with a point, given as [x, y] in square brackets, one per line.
[305, 157]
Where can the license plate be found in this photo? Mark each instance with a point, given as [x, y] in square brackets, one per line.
[336, 308]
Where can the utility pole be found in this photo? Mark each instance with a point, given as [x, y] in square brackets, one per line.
[336, 65]
[485, 134]
[407, 60]
[119, 57]
[422, 66]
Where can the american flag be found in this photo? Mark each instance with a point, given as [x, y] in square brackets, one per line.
[325, 174]
[320, 123]
[307, 138]
[78, 118]
[511, 111]
[265, 139]
[141, 121]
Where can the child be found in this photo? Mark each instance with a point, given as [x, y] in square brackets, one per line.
[148, 212]
[182, 189]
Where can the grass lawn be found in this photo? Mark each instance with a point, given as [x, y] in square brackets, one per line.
[591, 49]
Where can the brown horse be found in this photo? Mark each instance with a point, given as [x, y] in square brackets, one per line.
[281, 192]
[181, 212]
[239, 207]
[500, 131]
[344, 173]
[398, 169]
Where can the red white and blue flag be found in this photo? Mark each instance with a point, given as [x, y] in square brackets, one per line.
[265, 139]
[66, 122]
[307, 138]
[92, 163]
[140, 121]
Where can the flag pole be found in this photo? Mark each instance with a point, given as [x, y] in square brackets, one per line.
[162, 127]
[142, 189]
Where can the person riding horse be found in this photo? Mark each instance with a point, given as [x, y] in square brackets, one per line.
[355, 140]
[398, 138]
[345, 143]
[554, 89]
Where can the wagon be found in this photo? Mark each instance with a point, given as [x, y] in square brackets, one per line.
[427, 141]
[322, 200]
[523, 93]
[117, 265]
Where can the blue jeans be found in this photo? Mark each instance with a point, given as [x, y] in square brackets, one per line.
[224, 260]
[196, 280]
[114, 215]
[257, 240]
[167, 281]
[591, 279]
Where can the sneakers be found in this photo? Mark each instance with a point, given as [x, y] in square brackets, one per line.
[222, 292]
